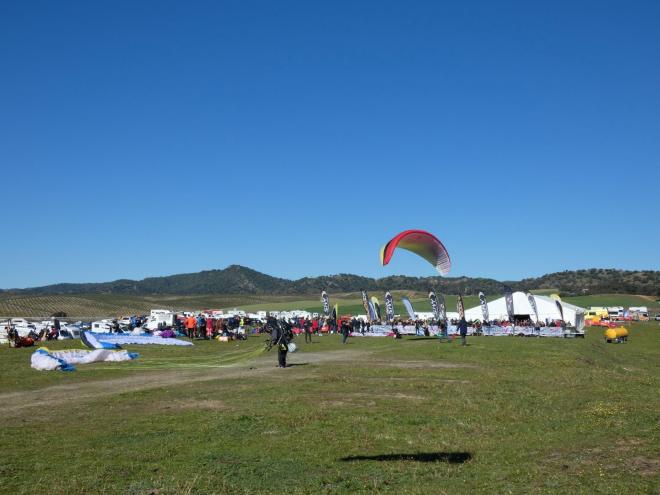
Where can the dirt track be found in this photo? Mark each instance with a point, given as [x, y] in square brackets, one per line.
[14, 404]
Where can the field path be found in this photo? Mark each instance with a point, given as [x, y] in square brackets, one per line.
[14, 404]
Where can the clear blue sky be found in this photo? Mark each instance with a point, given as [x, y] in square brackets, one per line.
[151, 138]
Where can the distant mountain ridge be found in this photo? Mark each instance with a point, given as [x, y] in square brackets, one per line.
[236, 279]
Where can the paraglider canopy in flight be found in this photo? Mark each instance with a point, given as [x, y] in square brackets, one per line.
[423, 244]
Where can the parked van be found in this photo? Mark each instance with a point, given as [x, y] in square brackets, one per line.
[69, 332]
[639, 313]
[596, 313]
[160, 318]
[102, 326]
[615, 313]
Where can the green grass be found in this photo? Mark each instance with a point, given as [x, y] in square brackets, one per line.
[503, 415]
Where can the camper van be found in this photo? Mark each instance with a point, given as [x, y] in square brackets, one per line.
[102, 326]
[69, 332]
[615, 313]
[160, 318]
[639, 313]
[596, 313]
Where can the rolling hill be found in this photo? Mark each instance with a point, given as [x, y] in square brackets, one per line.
[237, 279]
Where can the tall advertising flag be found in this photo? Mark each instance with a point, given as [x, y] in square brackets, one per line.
[409, 307]
[561, 309]
[335, 313]
[532, 303]
[389, 306]
[365, 303]
[434, 304]
[326, 303]
[376, 305]
[373, 316]
[460, 307]
[442, 307]
[484, 305]
[508, 297]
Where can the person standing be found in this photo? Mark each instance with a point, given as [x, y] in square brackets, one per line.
[345, 331]
[191, 324]
[209, 328]
[280, 336]
[307, 325]
[201, 326]
[462, 330]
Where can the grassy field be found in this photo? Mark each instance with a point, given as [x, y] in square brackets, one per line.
[109, 305]
[503, 415]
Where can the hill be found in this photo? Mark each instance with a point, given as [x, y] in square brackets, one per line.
[237, 279]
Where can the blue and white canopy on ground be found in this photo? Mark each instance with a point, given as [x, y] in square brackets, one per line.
[547, 308]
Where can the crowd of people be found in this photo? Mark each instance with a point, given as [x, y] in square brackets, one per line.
[205, 326]
[46, 333]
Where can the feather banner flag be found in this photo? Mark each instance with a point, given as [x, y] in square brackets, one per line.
[561, 310]
[532, 303]
[460, 307]
[484, 306]
[376, 305]
[409, 307]
[442, 306]
[508, 297]
[326, 303]
[335, 312]
[434, 304]
[389, 306]
[365, 304]
[372, 311]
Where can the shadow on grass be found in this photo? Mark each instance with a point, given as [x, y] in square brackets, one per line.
[448, 457]
[291, 365]
[417, 339]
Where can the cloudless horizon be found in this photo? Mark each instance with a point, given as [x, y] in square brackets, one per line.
[295, 138]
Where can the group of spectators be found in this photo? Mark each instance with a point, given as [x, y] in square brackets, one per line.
[50, 332]
[206, 327]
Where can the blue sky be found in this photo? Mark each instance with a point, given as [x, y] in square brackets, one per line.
[150, 138]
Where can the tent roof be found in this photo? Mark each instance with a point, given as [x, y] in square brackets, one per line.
[547, 308]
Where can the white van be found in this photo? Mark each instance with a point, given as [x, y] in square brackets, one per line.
[102, 326]
[159, 318]
[615, 313]
[69, 332]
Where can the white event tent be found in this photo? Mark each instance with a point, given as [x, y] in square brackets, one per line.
[546, 306]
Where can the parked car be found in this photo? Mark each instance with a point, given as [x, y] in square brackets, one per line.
[657, 317]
